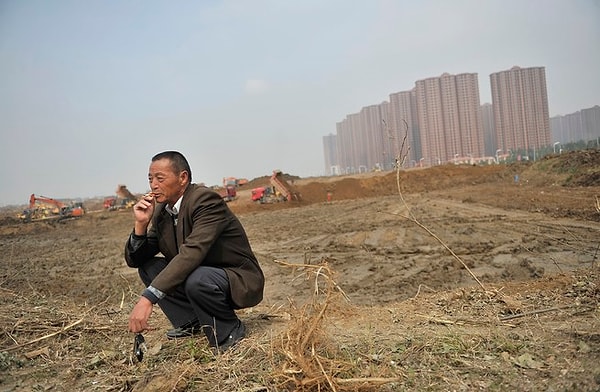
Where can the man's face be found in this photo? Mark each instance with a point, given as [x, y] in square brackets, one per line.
[166, 185]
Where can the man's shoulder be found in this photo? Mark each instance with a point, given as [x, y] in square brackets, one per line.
[197, 192]
[199, 189]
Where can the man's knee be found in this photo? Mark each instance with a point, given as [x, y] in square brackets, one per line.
[207, 282]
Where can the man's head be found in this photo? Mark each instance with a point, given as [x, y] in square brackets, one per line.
[169, 176]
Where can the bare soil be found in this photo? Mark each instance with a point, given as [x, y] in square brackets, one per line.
[448, 278]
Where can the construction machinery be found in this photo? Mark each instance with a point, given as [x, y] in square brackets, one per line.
[283, 187]
[266, 194]
[280, 190]
[230, 185]
[124, 199]
[42, 207]
[234, 181]
[229, 193]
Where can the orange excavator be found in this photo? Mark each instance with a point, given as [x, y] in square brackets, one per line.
[42, 207]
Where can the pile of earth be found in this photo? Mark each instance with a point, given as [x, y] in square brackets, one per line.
[519, 185]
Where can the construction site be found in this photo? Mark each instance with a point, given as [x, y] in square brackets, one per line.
[45, 208]
[455, 277]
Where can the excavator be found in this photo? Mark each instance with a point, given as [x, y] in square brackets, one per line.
[42, 207]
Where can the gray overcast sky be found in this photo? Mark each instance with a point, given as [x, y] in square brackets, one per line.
[90, 90]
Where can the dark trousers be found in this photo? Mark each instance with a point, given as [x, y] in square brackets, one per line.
[203, 299]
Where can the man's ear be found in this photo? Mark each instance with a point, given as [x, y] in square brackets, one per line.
[184, 177]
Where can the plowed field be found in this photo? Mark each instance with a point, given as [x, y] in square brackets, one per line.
[455, 278]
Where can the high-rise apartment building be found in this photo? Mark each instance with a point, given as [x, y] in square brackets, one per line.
[590, 119]
[402, 130]
[330, 151]
[372, 118]
[362, 144]
[520, 104]
[489, 131]
[440, 120]
[558, 129]
[583, 125]
[348, 143]
[448, 117]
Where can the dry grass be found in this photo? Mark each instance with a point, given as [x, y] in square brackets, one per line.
[312, 361]
[460, 340]
[537, 335]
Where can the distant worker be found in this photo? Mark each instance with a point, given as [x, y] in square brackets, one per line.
[207, 269]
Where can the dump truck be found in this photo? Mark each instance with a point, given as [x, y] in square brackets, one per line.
[229, 193]
[230, 186]
[279, 190]
[266, 194]
[281, 186]
[124, 199]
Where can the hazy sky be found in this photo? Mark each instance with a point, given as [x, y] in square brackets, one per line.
[91, 90]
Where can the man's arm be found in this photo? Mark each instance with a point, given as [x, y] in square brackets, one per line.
[142, 243]
[140, 248]
[209, 219]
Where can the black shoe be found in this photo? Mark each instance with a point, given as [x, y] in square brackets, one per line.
[185, 331]
[234, 337]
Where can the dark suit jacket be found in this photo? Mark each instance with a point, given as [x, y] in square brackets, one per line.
[209, 234]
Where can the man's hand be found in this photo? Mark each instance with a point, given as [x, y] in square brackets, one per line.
[138, 319]
[142, 212]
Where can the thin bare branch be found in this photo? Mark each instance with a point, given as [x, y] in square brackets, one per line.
[400, 159]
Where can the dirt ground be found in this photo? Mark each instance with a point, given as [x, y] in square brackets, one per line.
[447, 278]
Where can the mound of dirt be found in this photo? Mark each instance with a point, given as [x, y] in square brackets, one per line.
[516, 186]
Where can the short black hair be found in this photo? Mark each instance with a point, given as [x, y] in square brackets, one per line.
[178, 161]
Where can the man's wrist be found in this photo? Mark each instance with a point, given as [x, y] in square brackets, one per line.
[153, 294]
[138, 236]
[140, 229]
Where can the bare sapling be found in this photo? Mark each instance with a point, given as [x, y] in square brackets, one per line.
[402, 151]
